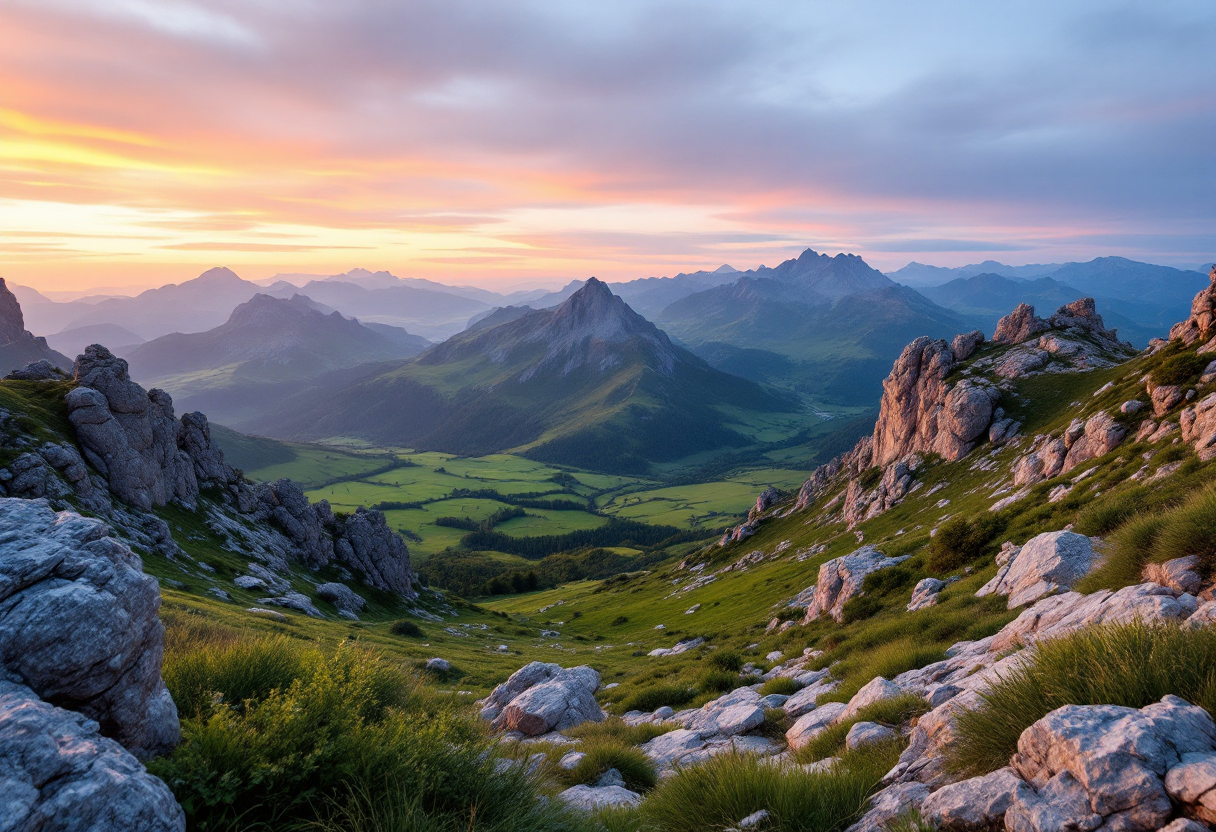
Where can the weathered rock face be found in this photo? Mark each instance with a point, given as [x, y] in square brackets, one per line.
[897, 480]
[1018, 326]
[1047, 563]
[925, 593]
[539, 698]
[129, 435]
[840, 581]
[79, 625]
[210, 467]
[1051, 456]
[921, 412]
[19, 348]
[342, 597]
[975, 805]
[366, 543]
[304, 524]
[1198, 327]
[1181, 574]
[1198, 423]
[964, 345]
[1105, 765]
[58, 773]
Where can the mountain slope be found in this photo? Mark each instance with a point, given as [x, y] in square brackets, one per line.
[265, 344]
[590, 383]
[18, 347]
[826, 326]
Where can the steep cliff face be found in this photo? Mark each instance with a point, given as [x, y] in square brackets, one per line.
[1198, 327]
[17, 346]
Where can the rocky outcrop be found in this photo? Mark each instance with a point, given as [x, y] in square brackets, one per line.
[1198, 423]
[1050, 456]
[1181, 574]
[343, 597]
[920, 411]
[58, 773]
[129, 435]
[79, 625]
[1019, 326]
[840, 581]
[897, 481]
[364, 542]
[587, 799]
[1106, 766]
[925, 593]
[539, 698]
[963, 346]
[1198, 326]
[1047, 563]
[304, 524]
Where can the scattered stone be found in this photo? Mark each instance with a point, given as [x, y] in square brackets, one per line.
[294, 601]
[1182, 574]
[812, 724]
[249, 582]
[570, 760]
[438, 665]
[924, 594]
[754, 820]
[868, 733]
[342, 597]
[876, 690]
[889, 804]
[974, 805]
[272, 614]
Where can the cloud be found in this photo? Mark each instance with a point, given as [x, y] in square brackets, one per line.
[944, 245]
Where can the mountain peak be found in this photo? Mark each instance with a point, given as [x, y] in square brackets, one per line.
[12, 321]
[219, 274]
[725, 268]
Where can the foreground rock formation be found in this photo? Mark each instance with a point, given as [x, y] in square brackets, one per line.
[539, 698]
[81, 695]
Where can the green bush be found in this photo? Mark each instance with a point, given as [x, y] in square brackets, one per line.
[718, 793]
[782, 685]
[960, 541]
[348, 738]
[404, 627]
[718, 681]
[726, 660]
[605, 753]
[1131, 664]
[888, 580]
[1180, 369]
[859, 609]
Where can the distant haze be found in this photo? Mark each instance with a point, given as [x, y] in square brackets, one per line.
[500, 144]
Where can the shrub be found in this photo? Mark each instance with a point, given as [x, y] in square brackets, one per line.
[870, 477]
[726, 660]
[1132, 664]
[718, 681]
[404, 627]
[1180, 369]
[717, 793]
[960, 541]
[604, 753]
[619, 620]
[859, 609]
[783, 685]
[888, 580]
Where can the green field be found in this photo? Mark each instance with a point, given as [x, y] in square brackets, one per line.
[704, 504]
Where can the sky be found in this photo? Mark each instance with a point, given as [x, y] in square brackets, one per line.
[512, 142]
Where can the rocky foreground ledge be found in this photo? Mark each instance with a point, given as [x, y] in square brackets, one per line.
[81, 695]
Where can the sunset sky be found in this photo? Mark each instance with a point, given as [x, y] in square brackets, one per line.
[505, 143]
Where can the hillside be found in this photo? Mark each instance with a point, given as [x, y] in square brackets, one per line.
[827, 327]
[590, 383]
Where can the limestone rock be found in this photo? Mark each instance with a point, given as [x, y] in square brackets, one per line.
[734, 713]
[868, 733]
[592, 798]
[889, 804]
[342, 597]
[210, 467]
[1165, 397]
[921, 412]
[58, 773]
[764, 502]
[1198, 325]
[438, 665]
[1047, 563]
[924, 594]
[1192, 784]
[79, 625]
[975, 805]
[368, 545]
[304, 525]
[1018, 326]
[876, 690]
[1198, 423]
[812, 724]
[1100, 436]
[667, 749]
[1104, 764]
[840, 580]
[963, 346]
[129, 435]
[806, 698]
[1182, 574]
[540, 697]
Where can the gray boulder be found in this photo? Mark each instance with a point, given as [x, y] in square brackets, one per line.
[734, 713]
[868, 733]
[539, 698]
[294, 601]
[1104, 765]
[366, 543]
[79, 625]
[594, 798]
[1047, 563]
[812, 724]
[975, 805]
[342, 597]
[840, 581]
[924, 594]
[58, 773]
[304, 525]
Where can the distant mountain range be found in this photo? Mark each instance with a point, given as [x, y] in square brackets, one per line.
[825, 326]
[1141, 299]
[267, 348]
[19, 347]
[589, 383]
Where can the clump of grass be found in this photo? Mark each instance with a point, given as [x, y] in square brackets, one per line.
[885, 659]
[960, 541]
[1129, 549]
[405, 627]
[718, 681]
[1132, 664]
[232, 673]
[893, 712]
[783, 685]
[718, 793]
[615, 728]
[1109, 512]
[725, 660]
[604, 753]
[1180, 369]
[656, 696]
